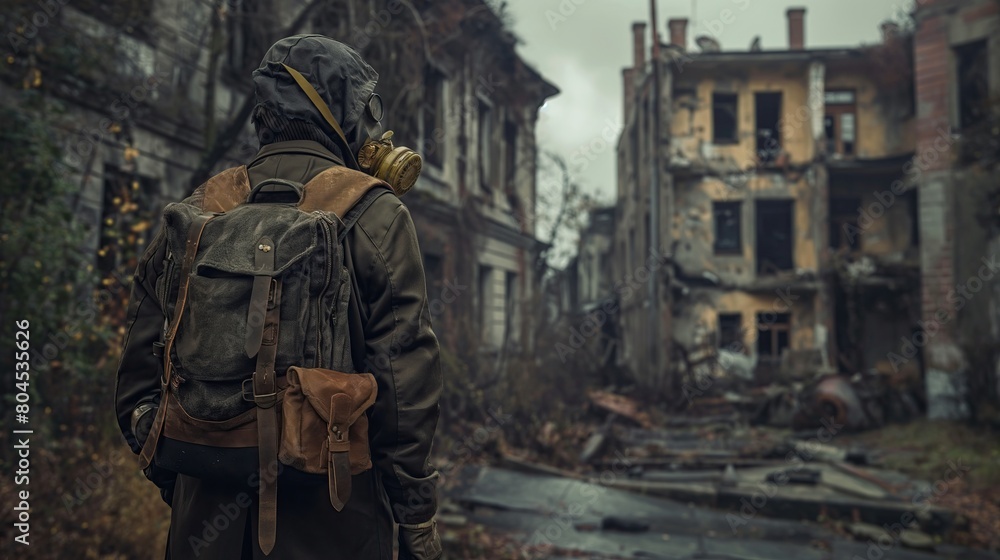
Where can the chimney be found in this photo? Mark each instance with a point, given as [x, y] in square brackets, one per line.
[678, 32]
[628, 91]
[890, 30]
[639, 45]
[796, 28]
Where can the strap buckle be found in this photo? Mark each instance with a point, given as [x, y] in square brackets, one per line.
[264, 401]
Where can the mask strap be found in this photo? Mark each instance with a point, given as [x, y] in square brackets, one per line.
[320, 105]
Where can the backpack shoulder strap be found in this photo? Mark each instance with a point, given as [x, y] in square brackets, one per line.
[358, 209]
[226, 190]
[338, 190]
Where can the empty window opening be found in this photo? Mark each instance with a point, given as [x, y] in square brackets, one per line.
[730, 332]
[485, 302]
[973, 83]
[767, 110]
[844, 229]
[433, 117]
[485, 146]
[724, 123]
[510, 147]
[774, 236]
[727, 227]
[772, 335]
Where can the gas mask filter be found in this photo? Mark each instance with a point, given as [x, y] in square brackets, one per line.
[398, 166]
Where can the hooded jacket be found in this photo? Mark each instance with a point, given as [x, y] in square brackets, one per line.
[400, 347]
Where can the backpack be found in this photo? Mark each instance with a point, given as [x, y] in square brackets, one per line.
[258, 375]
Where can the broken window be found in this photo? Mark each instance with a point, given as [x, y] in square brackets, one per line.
[839, 122]
[774, 236]
[727, 227]
[844, 230]
[433, 117]
[973, 83]
[772, 335]
[724, 123]
[730, 332]
[767, 112]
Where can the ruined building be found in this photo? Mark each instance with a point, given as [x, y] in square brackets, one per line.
[155, 93]
[802, 222]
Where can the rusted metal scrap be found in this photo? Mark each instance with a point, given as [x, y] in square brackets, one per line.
[834, 399]
[622, 406]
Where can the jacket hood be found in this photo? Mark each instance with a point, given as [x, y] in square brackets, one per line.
[339, 74]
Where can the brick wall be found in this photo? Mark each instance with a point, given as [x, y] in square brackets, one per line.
[932, 61]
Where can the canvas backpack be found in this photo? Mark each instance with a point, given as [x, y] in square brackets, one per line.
[258, 374]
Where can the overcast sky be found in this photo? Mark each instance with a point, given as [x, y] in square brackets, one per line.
[582, 45]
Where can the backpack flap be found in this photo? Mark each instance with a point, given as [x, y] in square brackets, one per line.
[212, 340]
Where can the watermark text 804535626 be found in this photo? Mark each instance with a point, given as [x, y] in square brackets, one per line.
[22, 430]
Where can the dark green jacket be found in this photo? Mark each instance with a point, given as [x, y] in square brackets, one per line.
[400, 349]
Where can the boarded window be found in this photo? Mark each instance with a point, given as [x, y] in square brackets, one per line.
[724, 122]
[727, 227]
[730, 332]
[774, 236]
[767, 113]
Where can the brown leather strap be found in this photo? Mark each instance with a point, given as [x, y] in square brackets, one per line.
[227, 190]
[264, 265]
[338, 444]
[337, 190]
[195, 231]
[265, 394]
[321, 106]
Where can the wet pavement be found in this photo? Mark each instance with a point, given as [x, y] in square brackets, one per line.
[556, 516]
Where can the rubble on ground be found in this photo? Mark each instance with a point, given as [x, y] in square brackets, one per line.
[716, 481]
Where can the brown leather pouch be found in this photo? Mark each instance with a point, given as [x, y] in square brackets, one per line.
[324, 426]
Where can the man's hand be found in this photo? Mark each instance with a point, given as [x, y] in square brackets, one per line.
[419, 541]
[142, 421]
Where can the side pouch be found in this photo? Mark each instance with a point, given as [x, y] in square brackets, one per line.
[324, 426]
